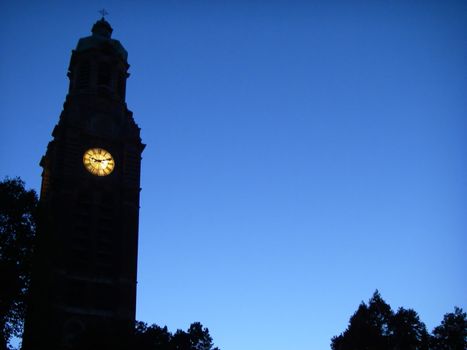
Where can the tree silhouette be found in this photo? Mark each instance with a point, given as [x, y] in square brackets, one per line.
[199, 337]
[376, 327]
[154, 337]
[368, 327]
[17, 231]
[452, 333]
[408, 332]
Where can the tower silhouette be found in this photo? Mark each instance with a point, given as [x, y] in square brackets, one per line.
[85, 265]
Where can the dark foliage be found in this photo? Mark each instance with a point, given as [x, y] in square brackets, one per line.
[368, 327]
[376, 327]
[157, 338]
[407, 331]
[152, 337]
[17, 230]
[452, 333]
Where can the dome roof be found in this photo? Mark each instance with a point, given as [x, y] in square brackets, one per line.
[101, 36]
[102, 28]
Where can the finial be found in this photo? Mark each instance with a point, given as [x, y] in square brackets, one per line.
[103, 12]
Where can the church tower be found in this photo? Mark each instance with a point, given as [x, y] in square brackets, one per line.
[84, 274]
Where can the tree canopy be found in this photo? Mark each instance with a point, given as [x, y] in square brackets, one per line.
[17, 230]
[154, 337]
[375, 326]
[452, 333]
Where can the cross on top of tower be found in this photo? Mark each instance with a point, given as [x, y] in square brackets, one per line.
[103, 12]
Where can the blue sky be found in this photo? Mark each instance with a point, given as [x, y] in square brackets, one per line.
[299, 155]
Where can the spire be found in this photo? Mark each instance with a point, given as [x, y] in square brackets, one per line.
[103, 12]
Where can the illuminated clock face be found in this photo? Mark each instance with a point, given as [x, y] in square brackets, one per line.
[98, 161]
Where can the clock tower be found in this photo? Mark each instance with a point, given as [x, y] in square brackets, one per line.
[84, 272]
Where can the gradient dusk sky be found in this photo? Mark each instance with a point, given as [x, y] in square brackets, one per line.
[300, 154]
